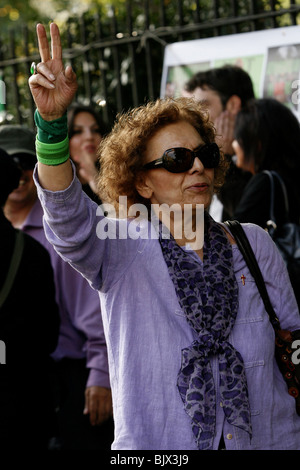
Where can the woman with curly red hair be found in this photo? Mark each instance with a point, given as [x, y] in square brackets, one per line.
[190, 345]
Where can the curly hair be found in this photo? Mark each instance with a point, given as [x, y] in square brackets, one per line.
[121, 153]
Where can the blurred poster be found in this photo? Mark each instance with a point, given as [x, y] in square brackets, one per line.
[282, 70]
[271, 57]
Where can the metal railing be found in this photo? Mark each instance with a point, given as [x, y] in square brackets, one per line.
[119, 63]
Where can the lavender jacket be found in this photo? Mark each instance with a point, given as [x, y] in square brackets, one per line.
[146, 329]
[81, 330]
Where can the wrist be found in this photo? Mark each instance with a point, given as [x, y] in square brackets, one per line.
[52, 131]
[50, 117]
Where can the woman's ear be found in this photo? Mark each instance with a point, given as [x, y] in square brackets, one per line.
[142, 187]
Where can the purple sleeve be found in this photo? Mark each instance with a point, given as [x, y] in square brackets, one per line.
[70, 225]
[88, 320]
[81, 301]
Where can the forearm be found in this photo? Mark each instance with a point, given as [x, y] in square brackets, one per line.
[55, 178]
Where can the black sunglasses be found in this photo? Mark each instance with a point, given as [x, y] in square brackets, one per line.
[180, 159]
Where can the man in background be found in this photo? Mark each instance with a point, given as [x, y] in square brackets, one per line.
[224, 91]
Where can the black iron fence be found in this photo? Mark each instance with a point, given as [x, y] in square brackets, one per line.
[118, 57]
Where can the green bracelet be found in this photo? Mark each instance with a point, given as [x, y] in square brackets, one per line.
[52, 154]
[51, 131]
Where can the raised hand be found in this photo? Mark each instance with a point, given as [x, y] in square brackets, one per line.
[224, 125]
[53, 87]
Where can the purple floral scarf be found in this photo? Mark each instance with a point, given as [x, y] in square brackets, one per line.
[208, 294]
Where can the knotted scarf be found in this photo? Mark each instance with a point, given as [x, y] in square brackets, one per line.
[208, 294]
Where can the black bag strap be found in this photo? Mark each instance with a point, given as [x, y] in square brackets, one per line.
[13, 268]
[272, 222]
[247, 252]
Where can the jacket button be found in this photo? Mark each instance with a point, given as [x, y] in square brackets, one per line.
[229, 436]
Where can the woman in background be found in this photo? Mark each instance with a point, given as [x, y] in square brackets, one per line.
[267, 137]
[86, 130]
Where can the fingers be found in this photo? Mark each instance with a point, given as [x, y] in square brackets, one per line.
[55, 42]
[44, 77]
[100, 414]
[56, 49]
[224, 125]
[45, 71]
[39, 80]
[91, 407]
[43, 43]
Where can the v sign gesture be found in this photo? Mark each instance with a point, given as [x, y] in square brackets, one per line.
[53, 87]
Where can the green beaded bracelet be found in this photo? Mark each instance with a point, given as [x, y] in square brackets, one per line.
[52, 154]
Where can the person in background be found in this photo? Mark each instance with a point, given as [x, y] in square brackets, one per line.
[224, 91]
[86, 130]
[190, 368]
[29, 326]
[267, 137]
[81, 385]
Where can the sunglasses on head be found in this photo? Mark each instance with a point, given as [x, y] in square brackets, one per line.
[180, 159]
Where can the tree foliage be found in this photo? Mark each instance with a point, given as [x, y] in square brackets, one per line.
[154, 22]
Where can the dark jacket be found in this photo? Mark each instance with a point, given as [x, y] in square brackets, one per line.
[29, 324]
[255, 202]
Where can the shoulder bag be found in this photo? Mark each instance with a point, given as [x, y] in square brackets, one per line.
[286, 236]
[286, 342]
[13, 268]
